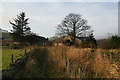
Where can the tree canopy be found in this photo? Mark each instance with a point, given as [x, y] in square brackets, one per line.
[73, 25]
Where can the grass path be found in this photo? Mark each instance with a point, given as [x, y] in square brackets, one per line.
[34, 65]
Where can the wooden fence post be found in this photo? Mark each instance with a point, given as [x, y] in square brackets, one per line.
[67, 67]
[12, 58]
[25, 50]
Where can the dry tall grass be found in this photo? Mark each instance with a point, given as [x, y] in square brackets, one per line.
[83, 63]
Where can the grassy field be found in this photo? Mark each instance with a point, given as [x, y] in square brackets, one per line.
[66, 62]
[7, 56]
[0, 59]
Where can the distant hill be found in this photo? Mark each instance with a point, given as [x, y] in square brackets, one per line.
[5, 35]
[2, 30]
[42, 41]
[41, 38]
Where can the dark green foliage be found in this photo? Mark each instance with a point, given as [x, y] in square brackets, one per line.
[40, 55]
[111, 43]
[31, 39]
[92, 40]
[20, 28]
[115, 42]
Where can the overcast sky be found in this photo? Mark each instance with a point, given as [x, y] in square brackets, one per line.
[59, 0]
[45, 16]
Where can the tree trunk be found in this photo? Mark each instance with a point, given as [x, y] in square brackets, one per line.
[74, 34]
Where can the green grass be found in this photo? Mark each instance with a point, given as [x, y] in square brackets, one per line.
[115, 57]
[7, 56]
[0, 59]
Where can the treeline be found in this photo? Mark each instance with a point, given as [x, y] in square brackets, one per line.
[110, 43]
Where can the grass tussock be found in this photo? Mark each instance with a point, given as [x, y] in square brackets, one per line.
[83, 63]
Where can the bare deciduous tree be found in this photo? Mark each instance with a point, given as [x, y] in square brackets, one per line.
[73, 25]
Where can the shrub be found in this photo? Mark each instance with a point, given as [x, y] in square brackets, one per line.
[110, 43]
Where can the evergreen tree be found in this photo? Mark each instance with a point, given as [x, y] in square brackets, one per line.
[20, 28]
[92, 39]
